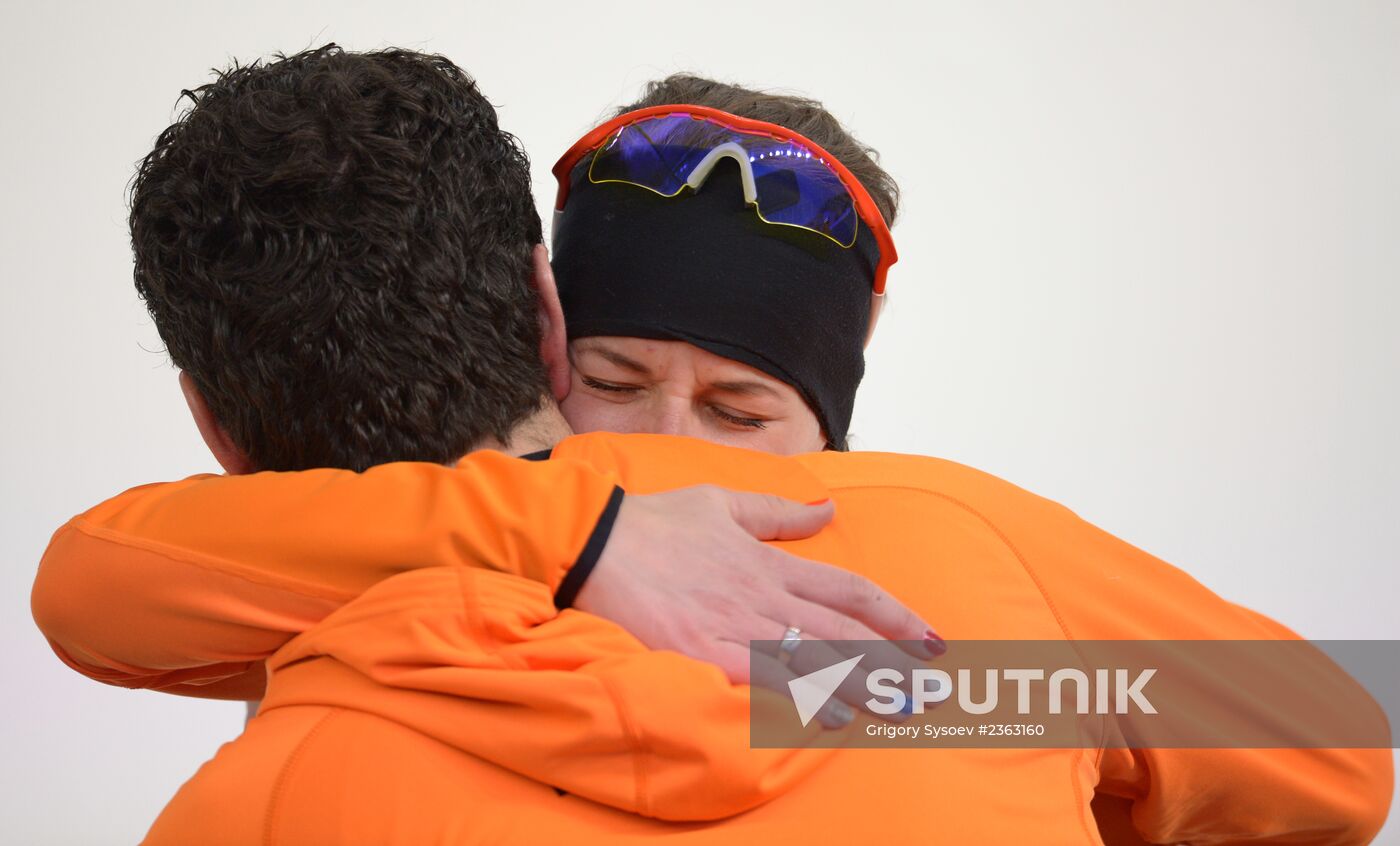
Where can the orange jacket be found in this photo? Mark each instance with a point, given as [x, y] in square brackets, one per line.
[215, 573]
[443, 705]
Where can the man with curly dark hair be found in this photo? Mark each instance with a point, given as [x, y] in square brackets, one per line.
[337, 252]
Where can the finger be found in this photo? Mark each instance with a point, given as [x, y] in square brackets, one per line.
[860, 599]
[812, 654]
[768, 672]
[843, 637]
[829, 638]
[769, 517]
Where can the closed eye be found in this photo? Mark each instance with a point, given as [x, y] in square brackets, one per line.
[736, 420]
[608, 386]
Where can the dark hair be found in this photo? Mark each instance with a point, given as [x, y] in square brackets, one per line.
[337, 248]
[799, 114]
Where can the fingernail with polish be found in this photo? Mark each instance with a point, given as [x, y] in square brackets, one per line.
[934, 644]
[822, 501]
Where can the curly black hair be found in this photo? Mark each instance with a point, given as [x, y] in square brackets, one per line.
[336, 246]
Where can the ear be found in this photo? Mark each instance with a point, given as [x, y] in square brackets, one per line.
[554, 340]
[216, 437]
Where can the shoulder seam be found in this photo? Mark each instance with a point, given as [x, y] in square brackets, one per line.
[1001, 536]
[1021, 559]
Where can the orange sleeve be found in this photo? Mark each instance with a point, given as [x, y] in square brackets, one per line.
[1102, 588]
[188, 586]
[483, 662]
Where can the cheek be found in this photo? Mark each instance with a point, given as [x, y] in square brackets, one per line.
[788, 439]
[586, 413]
[800, 432]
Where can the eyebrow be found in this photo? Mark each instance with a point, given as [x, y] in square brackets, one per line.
[616, 358]
[745, 388]
[742, 387]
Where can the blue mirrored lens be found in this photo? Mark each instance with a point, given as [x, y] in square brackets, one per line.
[658, 153]
[808, 193]
[794, 186]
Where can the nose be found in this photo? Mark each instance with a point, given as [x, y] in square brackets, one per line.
[672, 416]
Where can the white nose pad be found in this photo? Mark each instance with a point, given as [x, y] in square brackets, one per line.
[733, 151]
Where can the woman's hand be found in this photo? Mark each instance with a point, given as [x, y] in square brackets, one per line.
[687, 571]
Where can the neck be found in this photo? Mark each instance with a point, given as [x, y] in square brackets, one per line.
[540, 431]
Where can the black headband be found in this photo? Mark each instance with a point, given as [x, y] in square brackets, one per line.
[705, 269]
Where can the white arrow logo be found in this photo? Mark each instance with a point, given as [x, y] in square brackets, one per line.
[810, 692]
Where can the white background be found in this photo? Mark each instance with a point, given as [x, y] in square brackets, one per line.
[1149, 266]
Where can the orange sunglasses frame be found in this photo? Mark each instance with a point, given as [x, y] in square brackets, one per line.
[865, 205]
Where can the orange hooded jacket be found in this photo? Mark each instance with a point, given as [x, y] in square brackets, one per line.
[451, 702]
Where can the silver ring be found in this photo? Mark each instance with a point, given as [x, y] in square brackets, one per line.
[792, 638]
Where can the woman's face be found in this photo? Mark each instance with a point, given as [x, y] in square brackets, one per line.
[674, 388]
